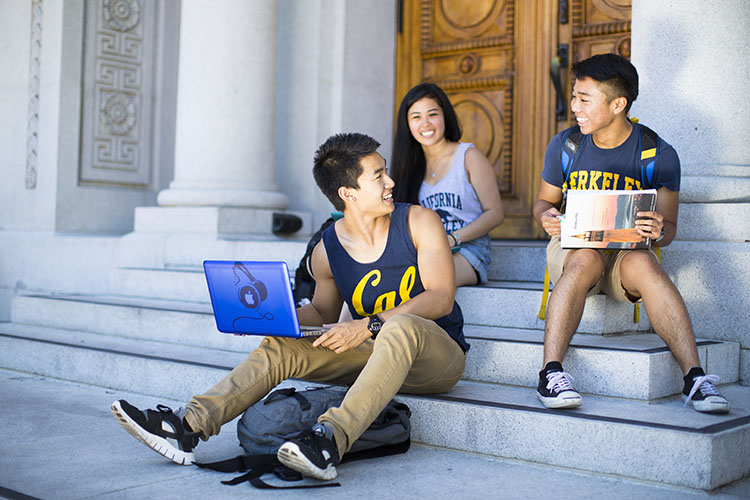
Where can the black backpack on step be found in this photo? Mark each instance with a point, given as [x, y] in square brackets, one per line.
[267, 424]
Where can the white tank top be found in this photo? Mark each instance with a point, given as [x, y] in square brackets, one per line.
[453, 197]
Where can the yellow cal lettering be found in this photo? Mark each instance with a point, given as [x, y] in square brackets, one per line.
[407, 283]
[628, 183]
[360, 288]
[606, 180]
[385, 302]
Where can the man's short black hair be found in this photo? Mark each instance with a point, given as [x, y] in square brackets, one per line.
[337, 163]
[617, 75]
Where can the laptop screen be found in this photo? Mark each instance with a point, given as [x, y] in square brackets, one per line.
[252, 298]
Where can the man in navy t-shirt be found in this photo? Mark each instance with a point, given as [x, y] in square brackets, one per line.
[608, 157]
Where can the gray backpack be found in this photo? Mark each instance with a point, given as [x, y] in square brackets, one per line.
[284, 413]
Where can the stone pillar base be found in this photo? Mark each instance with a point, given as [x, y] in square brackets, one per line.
[220, 221]
[176, 197]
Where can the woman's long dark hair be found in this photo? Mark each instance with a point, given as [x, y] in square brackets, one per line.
[407, 159]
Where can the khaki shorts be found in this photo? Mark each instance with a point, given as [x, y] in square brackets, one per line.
[609, 284]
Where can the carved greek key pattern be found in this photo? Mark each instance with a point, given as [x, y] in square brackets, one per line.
[116, 145]
[32, 128]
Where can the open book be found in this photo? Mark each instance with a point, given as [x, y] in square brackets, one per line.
[605, 219]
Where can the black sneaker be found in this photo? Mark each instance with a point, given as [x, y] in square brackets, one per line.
[311, 453]
[555, 390]
[703, 394]
[161, 430]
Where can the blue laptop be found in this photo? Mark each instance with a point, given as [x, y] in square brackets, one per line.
[254, 298]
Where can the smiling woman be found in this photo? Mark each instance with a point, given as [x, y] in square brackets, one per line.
[432, 168]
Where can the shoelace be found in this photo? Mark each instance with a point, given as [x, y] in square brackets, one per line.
[559, 381]
[706, 385]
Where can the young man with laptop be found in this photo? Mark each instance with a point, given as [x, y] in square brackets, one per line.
[391, 264]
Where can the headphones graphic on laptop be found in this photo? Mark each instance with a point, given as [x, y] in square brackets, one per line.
[250, 292]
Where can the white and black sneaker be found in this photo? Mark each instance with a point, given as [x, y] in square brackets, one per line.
[312, 453]
[161, 430]
[555, 389]
[700, 391]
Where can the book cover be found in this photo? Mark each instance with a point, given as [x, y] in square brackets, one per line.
[605, 219]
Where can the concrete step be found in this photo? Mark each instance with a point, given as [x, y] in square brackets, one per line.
[664, 441]
[512, 304]
[713, 222]
[515, 304]
[518, 260]
[190, 250]
[637, 366]
[136, 472]
[634, 365]
[185, 283]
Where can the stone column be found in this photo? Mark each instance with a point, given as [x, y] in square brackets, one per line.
[224, 144]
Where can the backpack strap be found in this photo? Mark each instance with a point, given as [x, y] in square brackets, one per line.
[649, 146]
[255, 466]
[545, 295]
[288, 392]
[571, 147]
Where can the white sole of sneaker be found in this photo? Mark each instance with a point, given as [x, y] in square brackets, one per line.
[709, 405]
[290, 455]
[156, 443]
[560, 402]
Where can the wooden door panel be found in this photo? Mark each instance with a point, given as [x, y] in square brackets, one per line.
[492, 59]
[600, 27]
[468, 49]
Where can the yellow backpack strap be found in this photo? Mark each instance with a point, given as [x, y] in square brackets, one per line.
[545, 295]
[636, 309]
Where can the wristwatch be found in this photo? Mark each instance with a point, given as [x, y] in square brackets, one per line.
[661, 236]
[375, 325]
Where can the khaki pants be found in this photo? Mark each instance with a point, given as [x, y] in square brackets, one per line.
[411, 355]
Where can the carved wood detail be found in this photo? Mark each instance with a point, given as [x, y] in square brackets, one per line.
[600, 26]
[602, 29]
[480, 43]
[467, 49]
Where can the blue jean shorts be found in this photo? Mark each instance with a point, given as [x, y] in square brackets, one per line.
[479, 254]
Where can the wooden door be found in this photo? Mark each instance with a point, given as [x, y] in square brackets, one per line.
[492, 58]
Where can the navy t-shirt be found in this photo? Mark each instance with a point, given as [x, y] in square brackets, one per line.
[389, 281]
[616, 168]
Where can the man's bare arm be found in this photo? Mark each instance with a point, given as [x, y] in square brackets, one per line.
[435, 263]
[650, 224]
[547, 207]
[326, 303]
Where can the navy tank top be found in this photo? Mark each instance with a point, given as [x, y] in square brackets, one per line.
[389, 281]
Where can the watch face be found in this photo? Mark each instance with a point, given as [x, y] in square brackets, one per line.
[374, 325]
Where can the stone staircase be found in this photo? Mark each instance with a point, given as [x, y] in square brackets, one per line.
[154, 334]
